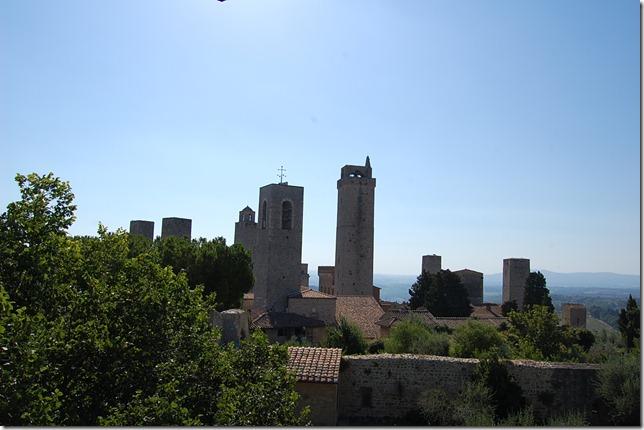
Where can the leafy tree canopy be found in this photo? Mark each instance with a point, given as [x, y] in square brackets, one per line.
[536, 292]
[629, 322]
[475, 339]
[92, 334]
[443, 294]
[346, 336]
[414, 337]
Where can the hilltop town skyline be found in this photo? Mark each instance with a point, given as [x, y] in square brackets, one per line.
[497, 130]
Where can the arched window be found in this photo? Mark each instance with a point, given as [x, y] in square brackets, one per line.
[287, 215]
[264, 214]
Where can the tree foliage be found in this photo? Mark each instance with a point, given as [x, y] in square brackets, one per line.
[475, 339]
[618, 384]
[412, 336]
[629, 322]
[92, 334]
[536, 334]
[346, 336]
[536, 292]
[443, 294]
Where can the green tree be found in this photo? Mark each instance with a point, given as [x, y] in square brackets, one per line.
[443, 294]
[536, 334]
[629, 322]
[412, 336]
[536, 292]
[506, 394]
[346, 336]
[508, 307]
[474, 339]
[618, 384]
[90, 334]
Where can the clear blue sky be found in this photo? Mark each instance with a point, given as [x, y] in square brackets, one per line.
[495, 128]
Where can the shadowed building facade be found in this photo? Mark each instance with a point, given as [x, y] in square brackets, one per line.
[515, 274]
[176, 227]
[354, 231]
[142, 228]
[277, 252]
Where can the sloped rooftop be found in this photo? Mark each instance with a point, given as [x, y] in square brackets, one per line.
[363, 311]
[315, 364]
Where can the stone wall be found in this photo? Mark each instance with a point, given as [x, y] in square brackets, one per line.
[318, 308]
[375, 389]
[323, 400]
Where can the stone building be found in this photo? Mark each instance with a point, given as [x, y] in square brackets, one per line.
[304, 276]
[473, 283]
[317, 372]
[285, 326]
[515, 274]
[327, 279]
[278, 249]
[176, 227]
[142, 228]
[354, 231]
[246, 229]
[573, 314]
[431, 264]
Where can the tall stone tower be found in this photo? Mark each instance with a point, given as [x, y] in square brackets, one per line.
[278, 251]
[515, 273]
[354, 231]
[431, 264]
[177, 227]
[246, 229]
[142, 228]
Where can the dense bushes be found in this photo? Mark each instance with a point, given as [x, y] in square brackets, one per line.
[346, 336]
[93, 333]
[414, 337]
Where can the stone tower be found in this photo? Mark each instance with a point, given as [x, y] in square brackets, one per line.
[278, 250]
[573, 314]
[178, 227]
[515, 273]
[142, 228]
[354, 231]
[246, 229]
[431, 264]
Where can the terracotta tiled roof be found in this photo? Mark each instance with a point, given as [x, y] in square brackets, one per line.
[311, 294]
[284, 320]
[362, 311]
[392, 316]
[486, 310]
[315, 364]
[454, 322]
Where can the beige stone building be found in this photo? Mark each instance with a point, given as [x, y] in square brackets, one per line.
[515, 274]
[431, 264]
[317, 372]
[573, 314]
[473, 283]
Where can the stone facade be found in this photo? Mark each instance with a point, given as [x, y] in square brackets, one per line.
[176, 227]
[473, 282]
[354, 231]
[431, 264]
[327, 279]
[304, 276]
[322, 399]
[377, 389]
[278, 250]
[142, 228]
[573, 314]
[234, 324]
[246, 229]
[319, 308]
[515, 274]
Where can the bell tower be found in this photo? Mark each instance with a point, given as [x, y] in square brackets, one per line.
[354, 231]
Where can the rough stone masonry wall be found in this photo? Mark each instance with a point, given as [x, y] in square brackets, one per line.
[377, 388]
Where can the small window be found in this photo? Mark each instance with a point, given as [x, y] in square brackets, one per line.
[287, 215]
[264, 215]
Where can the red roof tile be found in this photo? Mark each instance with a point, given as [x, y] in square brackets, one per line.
[363, 311]
[315, 364]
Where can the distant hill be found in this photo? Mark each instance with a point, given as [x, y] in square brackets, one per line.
[578, 280]
[395, 287]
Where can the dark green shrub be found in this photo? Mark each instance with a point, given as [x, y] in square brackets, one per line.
[414, 337]
[346, 336]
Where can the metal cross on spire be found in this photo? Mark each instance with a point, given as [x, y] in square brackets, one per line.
[282, 174]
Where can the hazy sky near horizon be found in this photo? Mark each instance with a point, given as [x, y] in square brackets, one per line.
[495, 128]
